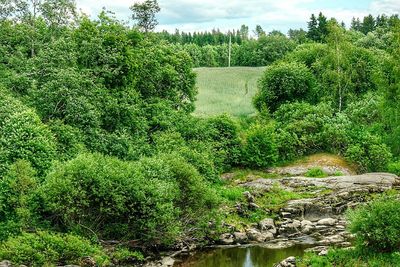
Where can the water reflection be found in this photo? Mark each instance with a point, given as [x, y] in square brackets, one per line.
[241, 257]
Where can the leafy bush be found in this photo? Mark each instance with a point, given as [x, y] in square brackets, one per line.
[282, 83]
[259, 148]
[350, 258]
[394, 167]
[45, 248]
[377, 225]
[224, 135]
[368, 152]
[152, 200]
[122, 255]
[316, 172]
[23, 136]
[17, 205]
[114, 199]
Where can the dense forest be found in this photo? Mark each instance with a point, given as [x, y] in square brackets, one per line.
[97, 140]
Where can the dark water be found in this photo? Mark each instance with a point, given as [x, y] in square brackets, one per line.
[241, 257]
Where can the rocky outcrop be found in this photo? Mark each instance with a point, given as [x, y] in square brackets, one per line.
[369, 181]
[288, 262]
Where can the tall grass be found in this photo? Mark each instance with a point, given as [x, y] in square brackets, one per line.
[226, 90]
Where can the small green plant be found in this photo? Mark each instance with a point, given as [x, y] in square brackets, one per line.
[338, 173]
[316, 172]
[123, 255]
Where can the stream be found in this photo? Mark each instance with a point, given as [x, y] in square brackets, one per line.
[250, 256]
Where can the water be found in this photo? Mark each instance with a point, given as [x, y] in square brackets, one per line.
[241, 257]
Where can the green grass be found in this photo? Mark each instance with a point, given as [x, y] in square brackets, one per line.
[226, 90]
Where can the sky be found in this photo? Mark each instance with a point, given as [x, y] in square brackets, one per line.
[202, 15]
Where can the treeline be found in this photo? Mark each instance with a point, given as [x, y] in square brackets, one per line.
[211, 49]
[215, 37]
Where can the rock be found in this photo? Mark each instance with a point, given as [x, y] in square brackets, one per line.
[317, 249]
[307, 229]
[167, 262]
[329, 240]
[226, 239]
[88, 262]
[5, 264]
[305, 223]
[267, 224]
[327, 221]
[240, 237]
[286, 214]
[323, 252]
[255, 235]
[288, 262]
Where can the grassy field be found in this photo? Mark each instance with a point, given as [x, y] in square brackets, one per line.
[226, 90]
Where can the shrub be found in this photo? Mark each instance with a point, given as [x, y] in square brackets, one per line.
[304, 127]
[16, 191]
[45, 248]
[224, 134]
[284, 82]
[394, 167]
[316, 172]
[151, 200]
[123, 255]
[113, 199]
[259, 148]
[368, 152]
[377, 225]
[23, 136]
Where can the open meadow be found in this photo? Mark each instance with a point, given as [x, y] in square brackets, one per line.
[226, 90]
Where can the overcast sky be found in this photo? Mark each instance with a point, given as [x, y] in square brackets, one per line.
[201, 15]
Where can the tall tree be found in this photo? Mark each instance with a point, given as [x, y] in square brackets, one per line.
[355, 24]
[244, 32]
[259, 31]
[368, 24]
[322, 27]
[145, 14]
[313, 28]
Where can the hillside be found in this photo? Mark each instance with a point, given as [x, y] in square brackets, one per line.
[227, 90]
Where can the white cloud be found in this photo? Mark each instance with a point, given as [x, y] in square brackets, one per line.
[195, 15]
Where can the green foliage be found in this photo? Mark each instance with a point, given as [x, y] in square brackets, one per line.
[377, 225]
[112, 198]
[259, 148]
[123, 255]
[316, 172]
[350, 258]
[46, 248]
[368, 152]
[284, 82]
[224, 133]
[127, 200]
[16, 197]
[23, 136]
[394, 167]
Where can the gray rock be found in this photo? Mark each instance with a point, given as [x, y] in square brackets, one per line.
[327, 221]
[329, 240]
[288, 262]
[240, 237]
[226, 239]
[257, 236]
[6, 264]
[305, 223]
